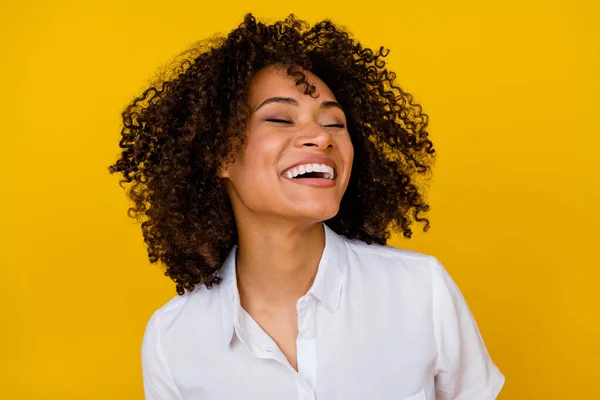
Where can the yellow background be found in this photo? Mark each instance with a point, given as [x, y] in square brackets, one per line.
[512, 91]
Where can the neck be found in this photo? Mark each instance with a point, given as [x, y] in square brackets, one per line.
[277, 264]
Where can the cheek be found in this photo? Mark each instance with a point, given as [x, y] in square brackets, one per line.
[347, 150]
[351, 152]
[258, 165]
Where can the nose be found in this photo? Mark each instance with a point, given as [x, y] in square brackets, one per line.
[318, 137]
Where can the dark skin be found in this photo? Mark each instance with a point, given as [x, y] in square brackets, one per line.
[181, 133]
[281, 238]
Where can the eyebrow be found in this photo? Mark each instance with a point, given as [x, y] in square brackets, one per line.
[294, 102]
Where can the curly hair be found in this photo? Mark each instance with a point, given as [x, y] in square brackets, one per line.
[192, 120]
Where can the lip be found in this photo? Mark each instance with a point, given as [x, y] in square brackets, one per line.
[313, 182]
[314, 160]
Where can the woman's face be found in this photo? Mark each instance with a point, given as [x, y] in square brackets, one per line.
[288, 135]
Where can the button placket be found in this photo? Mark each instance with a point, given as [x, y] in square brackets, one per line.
[258, 342]
[306, 321]
[306, 349]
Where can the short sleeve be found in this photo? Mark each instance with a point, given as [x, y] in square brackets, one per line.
[464, 369]
[158, 384]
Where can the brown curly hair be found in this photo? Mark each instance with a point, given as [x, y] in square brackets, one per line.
[192, 120]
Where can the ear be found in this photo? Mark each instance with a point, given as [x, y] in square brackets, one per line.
[223, 172]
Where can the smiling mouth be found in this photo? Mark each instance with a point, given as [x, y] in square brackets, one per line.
[315, 179]
[314, 175]
[311, 171]
[312, 182]
[320, 175]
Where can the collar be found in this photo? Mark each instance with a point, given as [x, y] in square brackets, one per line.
[327, 286]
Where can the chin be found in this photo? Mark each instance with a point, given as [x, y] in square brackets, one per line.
[321, 214]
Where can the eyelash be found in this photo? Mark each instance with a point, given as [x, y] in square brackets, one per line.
[289, 122]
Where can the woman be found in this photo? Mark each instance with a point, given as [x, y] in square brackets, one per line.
[269, 173]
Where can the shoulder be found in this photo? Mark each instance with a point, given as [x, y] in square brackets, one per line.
[182, 310]
[389, 271]
[375, 256]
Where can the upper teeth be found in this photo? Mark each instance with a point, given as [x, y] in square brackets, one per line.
[306, 168]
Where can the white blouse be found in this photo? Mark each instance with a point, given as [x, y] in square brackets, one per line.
[379, 322]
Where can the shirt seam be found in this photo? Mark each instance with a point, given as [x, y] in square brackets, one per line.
[439, 361]
[162, 359]
[395, 251]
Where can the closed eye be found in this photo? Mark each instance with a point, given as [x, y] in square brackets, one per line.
[283, 121]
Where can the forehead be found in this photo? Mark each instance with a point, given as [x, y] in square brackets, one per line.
[274, 81]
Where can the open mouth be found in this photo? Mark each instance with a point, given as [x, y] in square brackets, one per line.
[308, 171]
[321, 175]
